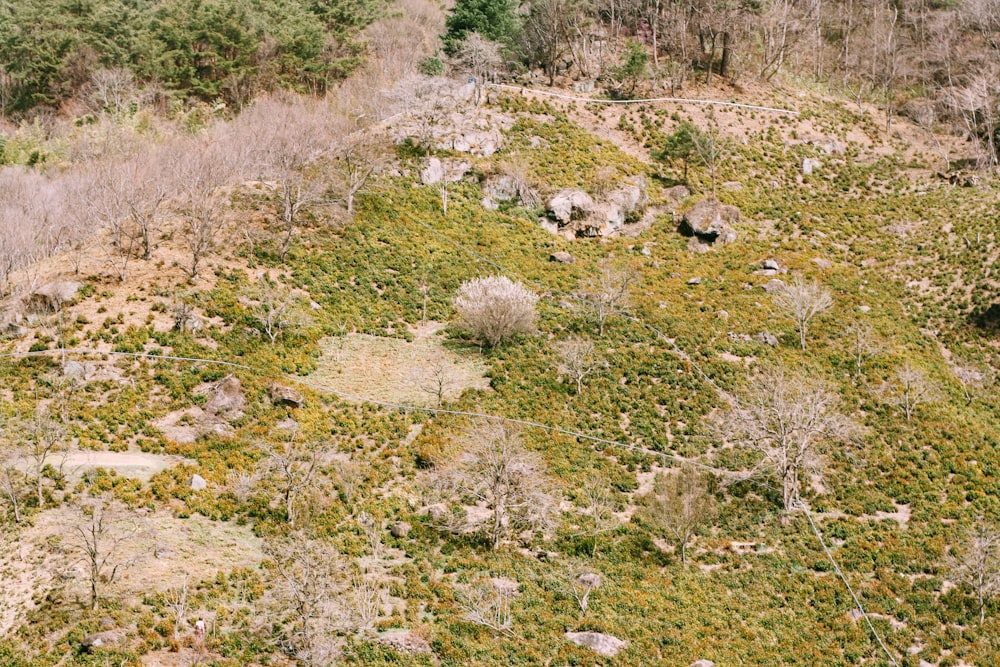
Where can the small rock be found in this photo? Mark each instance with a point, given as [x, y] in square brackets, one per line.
[315, 306]
[822, 263]
[774, 286]
[562, 257]
[437, 512]
[865, 309]
[809, 164]
[282, 395]
[770, 264]
[702, 663]
[287, 425]
[590, 580]
[677, 193]
[400, 529]
[601, 643]
[198, 483]
[404, 641]
[74, 370]
[694, 281]
[767, 338]
[101, 639]
[583, 87]
[766, 272]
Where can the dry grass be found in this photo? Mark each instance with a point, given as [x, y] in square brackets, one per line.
[397, 371]
[196, 547]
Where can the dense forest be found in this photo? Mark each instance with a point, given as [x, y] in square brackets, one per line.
[53, 52]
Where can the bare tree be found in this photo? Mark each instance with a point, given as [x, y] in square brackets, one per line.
[13, 483]
[176, 600]
[599, 510]
[976, 564]
[112, 89]
[106, 535]
[42, 438]
[277, 310]
[202, 170]
[784, 418]
[294, 467]
[975, 379]
[486, 602]
[546, 34]
[496, 471]
[909, 388]
[495, 308]
[291, 135]
[306, 575]
[803, 301]
[578, 358]
[438, 377]
[606, 295]
[580, 585]
[480, 57]
[711, 148]
[680, 504]
[864, 344]
[356, 159]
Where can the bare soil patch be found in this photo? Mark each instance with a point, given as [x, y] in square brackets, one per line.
[40, 559]
[397, 371]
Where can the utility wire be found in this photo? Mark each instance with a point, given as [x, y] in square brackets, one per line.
[676, 100]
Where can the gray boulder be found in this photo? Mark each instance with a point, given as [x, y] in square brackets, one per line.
[227, 398]
[619, 206]
[569, 205]
[400, 529]
[107, 638]
[601, 643]
[677, 193]
[282, 395]
[74, 370]
[702, 663]
[198, 483]
[708, 223]
[562, 257]
[809, 164]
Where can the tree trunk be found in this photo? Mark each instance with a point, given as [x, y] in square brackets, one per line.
[711, 60]
[727, 52]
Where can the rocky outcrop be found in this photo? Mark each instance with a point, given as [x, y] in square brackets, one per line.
[709, 223]
[569, 205]
[574, 213]
[437, 171]
[226, 399]
[602, 644]
[282, 395]
[51, 297]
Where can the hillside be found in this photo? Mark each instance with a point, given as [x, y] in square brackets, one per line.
[288, 434]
